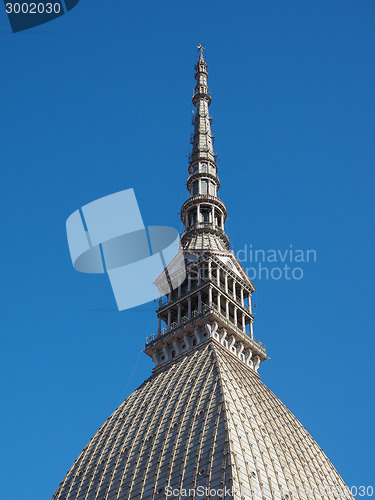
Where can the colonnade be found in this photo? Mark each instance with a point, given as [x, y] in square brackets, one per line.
[223, 293]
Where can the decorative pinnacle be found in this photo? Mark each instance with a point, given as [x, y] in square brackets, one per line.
[203, 213]
[201, 48]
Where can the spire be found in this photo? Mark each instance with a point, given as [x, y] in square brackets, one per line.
[202, 138]
[203, 214]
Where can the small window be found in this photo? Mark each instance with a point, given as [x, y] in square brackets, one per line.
[205, 215]
[195, 189]
[194, 341]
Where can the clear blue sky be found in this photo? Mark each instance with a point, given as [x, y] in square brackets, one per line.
[99, 100]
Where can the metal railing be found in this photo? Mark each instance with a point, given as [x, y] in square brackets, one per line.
[185, 321]
[198, 197]
[205, 225]
[205, 311]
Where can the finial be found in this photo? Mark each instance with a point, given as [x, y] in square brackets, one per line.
[200, 48]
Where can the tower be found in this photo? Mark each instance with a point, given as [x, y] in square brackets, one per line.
[215, 299]
[203, 425]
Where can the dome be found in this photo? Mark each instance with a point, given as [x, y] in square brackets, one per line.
[203, 422]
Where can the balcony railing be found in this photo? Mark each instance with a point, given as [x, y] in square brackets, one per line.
[204, 197]
[205, 225]
[205, 311]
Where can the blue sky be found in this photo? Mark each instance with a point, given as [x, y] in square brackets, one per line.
[99, 100]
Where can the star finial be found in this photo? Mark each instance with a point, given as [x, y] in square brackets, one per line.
[200, 48]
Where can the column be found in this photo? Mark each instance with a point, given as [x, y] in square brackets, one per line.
[179, 290]
[251, 330]
[213, 216]
[234, 291]
[198, 213]
[243, 323]
[218, 276]
[218, 301]
[189, 307]
[169, 295]
[235, 315]
[199, 275]
[249, 299]
[209, 296]
[169, 320]
[187, 220]
[199, 302]
[227, 308]
[241, 296]
[226, 282]
[159, 326]
[179, 314]
[222, 222]
[189, 281]
[209, 270]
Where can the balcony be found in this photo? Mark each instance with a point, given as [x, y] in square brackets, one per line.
[202, 198]
[198, 226]
[206, 311]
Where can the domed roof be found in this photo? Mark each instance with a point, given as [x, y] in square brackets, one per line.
[204, 420]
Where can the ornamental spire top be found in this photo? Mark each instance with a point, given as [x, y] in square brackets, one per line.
[203, 213]
[201, 48]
